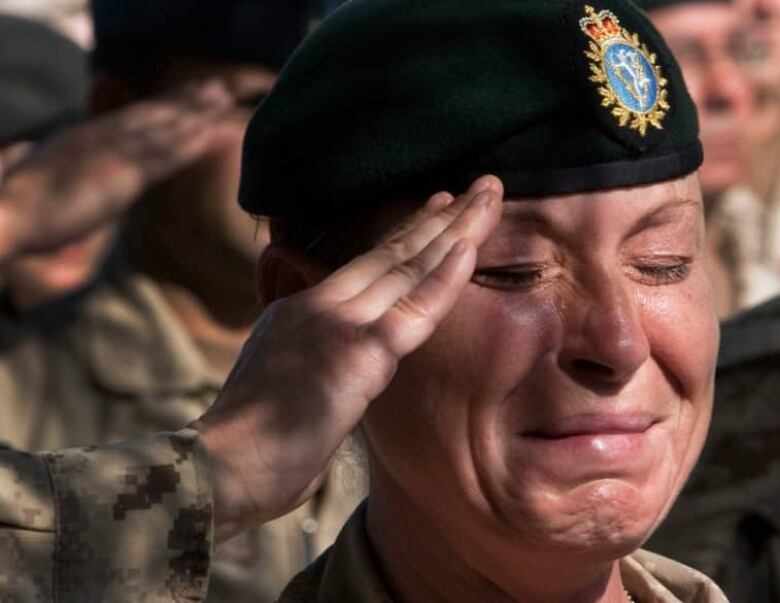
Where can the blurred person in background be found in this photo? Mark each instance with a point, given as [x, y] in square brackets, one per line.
[763, 68]
[44, 85]
[709, 39]
[149, 347]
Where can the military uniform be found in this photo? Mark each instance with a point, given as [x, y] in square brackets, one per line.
[727, 520]
[117, 364]
[125, 523]
[347, 573]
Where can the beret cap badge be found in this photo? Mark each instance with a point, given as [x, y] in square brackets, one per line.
[628, 80]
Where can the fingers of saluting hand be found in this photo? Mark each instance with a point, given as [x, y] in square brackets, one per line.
[150, 114]
[161, 136]
[403, 288]
[407, 240]
[474, 223]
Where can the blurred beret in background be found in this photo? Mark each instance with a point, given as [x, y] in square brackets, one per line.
[255, 31]
[44, 80]
[397, 99]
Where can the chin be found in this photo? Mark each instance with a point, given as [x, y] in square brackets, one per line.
[603, 519]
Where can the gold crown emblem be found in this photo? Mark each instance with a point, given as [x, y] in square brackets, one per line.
[628, 80]
[600, 26]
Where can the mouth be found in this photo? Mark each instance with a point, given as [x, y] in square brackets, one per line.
[595, 425]
[592, 446]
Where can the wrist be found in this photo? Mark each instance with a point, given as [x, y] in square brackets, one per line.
[229, 449]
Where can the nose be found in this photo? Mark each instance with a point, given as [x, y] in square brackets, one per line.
[728, 90]
[604, 342]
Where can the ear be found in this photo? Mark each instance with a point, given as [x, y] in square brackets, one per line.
[283, 271]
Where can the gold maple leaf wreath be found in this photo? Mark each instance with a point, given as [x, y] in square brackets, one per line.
[638, 121]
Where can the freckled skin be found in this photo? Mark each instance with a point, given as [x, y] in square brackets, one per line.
[606, 324]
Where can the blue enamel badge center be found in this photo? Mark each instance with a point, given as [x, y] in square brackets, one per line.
[629, 82]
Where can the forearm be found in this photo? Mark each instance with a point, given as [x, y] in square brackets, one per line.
[116, 523]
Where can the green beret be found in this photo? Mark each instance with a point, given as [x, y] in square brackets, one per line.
[44, 80]
[651, 5]
[393, 99]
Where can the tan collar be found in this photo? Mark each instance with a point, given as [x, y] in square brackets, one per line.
[651, 578]
[135, 345]
[347, 573]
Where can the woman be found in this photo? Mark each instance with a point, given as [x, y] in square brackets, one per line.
[560, 345]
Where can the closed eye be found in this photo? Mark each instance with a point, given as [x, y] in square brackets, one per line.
[664, 272]
[509, 278]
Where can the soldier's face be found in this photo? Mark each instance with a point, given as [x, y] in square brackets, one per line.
[199, 204]
[561, 405]
[38, 278]
[709, 42]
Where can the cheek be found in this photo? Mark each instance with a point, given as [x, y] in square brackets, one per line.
[440, 420]
[683, 333]
[497, 338]
[684, 336]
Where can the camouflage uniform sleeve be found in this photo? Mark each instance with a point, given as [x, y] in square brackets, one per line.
[121, 523]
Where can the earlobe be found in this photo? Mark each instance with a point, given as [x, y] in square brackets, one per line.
[283, 271]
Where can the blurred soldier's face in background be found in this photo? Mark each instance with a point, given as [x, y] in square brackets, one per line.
[762, 19]
[35, 279]
[709, 41]
[194, 218]
[762, 65]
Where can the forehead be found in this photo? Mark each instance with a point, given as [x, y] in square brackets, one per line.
[615, 210]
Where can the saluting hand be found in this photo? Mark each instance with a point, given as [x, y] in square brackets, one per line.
[91, 173]
[316, 359]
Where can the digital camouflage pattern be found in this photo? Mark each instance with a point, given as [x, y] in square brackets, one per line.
[726, 522]
[116, 365]
[348, 573]
[125, 523]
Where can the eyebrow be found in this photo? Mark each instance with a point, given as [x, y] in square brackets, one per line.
[661, 216]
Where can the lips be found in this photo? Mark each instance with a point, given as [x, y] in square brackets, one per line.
[592, 446]
[594, 425]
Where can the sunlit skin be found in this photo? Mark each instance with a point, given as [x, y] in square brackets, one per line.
[545, 428]
[707, 39]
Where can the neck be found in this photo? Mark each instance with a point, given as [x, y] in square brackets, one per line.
[426, 560]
